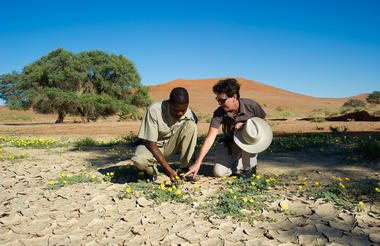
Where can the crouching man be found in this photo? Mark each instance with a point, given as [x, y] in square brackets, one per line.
[167, 127]
[246, 133]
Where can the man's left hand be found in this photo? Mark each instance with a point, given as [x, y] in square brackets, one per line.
[239, 126]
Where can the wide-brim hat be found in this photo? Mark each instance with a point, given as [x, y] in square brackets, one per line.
[255, 137]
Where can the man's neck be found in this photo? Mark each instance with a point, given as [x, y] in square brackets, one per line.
[236, 110]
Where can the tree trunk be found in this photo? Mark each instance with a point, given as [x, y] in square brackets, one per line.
[61, 116]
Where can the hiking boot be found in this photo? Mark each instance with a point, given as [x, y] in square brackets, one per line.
[189, 178]
[246, 174]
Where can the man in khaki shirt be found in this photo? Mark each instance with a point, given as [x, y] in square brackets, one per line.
[167, 127]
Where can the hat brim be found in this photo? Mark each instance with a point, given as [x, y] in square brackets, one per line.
[262, 144]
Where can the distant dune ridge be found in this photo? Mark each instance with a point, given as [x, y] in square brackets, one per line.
[202, 99]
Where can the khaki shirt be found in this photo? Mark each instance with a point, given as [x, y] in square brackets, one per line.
[158, 125]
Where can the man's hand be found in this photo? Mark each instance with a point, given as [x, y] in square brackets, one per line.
[239, 126]
[193, 170]
[172, 175]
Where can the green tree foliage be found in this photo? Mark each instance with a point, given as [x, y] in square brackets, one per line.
[90, 84]
[374, 97]
[141, 97]
[354, 103]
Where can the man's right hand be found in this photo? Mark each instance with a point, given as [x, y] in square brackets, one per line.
[172, 175]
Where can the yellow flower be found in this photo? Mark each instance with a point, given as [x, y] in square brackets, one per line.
[276, 175]
[93, 176]
[347, 179]
[333, 177]
[316, 183]
[253, 175]
[170, 189]
[258, 177]
[174, 187]
[176, 177]
[108, 174]
[361, 203]
[51, 182]
[342, 185]
[231, 191]
[234, 177]
[269, 188]
[300, 187]
[128, 190]
[64, 181]
[285, 207]
[83, 167]
[224, 177]
[181, 174]
[304, 183]
[235, 197]
[267, 180]
[148, 180]
[339, 179]
[111, 173]
[179, 192]
[196, 185]
[253, 183]
[163, 187]
[377, 189]
[68, 175]
[251, 201]
[245, 199]
[62, 175]
[230, 182]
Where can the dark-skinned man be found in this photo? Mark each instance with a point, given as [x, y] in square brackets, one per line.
[167, 127]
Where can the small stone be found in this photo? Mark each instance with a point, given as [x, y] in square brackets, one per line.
[143, 202]
[326, 210]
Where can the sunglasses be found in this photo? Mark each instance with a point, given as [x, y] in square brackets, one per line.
[222, 100]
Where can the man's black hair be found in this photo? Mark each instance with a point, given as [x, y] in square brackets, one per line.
[228, 86]
[179, 95]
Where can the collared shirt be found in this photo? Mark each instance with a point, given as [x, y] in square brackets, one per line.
[158, 125]
[247, 109]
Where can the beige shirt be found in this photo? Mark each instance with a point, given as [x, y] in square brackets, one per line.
[158, 125]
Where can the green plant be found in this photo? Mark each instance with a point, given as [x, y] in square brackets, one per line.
[284, 107]
[66, 179]
[370, 148]
[338, 129]
[354, 103]
[208, 120]
[374, 97]
[319, 119]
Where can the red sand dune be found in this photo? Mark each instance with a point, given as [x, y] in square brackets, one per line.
[202, 99]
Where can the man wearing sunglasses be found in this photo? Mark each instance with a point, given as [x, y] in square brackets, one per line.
[167, 127]
[231, 114]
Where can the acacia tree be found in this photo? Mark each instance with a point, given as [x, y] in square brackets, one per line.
[90, 84]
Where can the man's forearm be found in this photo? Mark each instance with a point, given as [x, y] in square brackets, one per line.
[156, 152]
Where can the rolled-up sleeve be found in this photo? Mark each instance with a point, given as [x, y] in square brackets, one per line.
[149, 127]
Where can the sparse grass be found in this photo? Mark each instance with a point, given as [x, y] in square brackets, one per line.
[280, 114]
[66, 179]
[39, 143]
[347, 146]
[9, 117]
[319, 119]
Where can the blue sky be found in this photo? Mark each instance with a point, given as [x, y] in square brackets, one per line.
[322, 48]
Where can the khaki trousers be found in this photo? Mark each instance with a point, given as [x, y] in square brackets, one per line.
[226, 165]
[185, 139]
